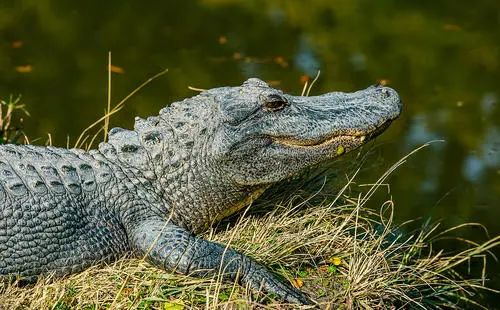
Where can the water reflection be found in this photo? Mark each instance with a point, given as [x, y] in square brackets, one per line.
[419, 132]
[473, 168]
[305, 60]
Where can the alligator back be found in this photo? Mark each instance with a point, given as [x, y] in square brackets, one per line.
[53, 212]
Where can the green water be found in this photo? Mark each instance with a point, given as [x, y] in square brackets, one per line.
[442, 56]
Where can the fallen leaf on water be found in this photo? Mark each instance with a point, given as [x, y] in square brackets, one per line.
[222, 40]
[281, 61]
[304, 78]
[274, 82]
[17, 44]
[297, 282]
[384, 82]
[452, 27]
[237, 56]
[116, 69]
[24, 69]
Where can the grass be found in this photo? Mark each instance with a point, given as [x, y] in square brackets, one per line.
[8, 108]
[342, 251]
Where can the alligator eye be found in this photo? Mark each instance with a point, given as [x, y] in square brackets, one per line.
[275, 103]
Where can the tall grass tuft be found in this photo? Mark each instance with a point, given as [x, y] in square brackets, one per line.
[10, 133]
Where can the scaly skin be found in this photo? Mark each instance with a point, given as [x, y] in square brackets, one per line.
[148, 191]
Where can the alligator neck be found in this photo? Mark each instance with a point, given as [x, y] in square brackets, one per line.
[202, 197]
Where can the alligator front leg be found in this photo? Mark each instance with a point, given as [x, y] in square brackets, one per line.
[173, 248]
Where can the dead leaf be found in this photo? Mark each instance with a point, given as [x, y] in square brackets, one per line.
[281, 61]
[237, 56]
[297, 282]
[304, 78]
[451, 27]
[274, 83]
[17, 44]
[222, 40]
[24, 68]
[384, 82]
[116, 69]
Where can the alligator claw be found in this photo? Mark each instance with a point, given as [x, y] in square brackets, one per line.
[272, 284]
[288, 293]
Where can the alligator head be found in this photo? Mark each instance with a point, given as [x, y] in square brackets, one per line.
[215, 152]
[268, 136]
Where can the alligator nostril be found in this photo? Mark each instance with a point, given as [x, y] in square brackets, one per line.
[385, 91]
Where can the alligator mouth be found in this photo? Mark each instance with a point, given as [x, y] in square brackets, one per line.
[290, 142]
[354, 136]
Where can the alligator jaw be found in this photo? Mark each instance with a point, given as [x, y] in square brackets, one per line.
[318, 143]
[355, 137]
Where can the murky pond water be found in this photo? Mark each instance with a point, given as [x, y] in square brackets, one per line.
[443, 58]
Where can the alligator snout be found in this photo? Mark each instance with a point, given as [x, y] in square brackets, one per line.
[388, 96]
[385, 91]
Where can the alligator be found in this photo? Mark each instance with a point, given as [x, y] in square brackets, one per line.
[151, 191]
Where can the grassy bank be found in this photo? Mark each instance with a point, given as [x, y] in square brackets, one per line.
[341, 253]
